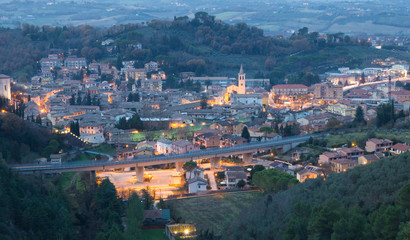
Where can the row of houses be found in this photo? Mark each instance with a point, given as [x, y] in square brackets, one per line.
[345, 158]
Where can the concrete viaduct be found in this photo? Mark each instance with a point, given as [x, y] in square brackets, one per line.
[214, 154]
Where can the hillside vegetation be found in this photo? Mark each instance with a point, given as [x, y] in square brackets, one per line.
[367, 202]
[202, 45]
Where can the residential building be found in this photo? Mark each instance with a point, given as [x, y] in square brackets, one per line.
[289, 89]
[221, 81]
[342, 109]
[151, 66]
[129, 153]
[234, 174]
[75, 62]
[341, 165]
[254, 98]
[378, 145]
[401, 96]
[183, 146]
[306, 174]
[163, 146]
[194, 173]
[228, 140]
[399, 148]
[351, 153]
[152, 84]
[207, 140]
[328, 157]
[206, 130]
[51, 62]
[197, 184]
[136, 74]
[328, 91]
[368, 158]
[312, 119]
[228, 127]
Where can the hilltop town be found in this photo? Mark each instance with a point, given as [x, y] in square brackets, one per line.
[126, 134]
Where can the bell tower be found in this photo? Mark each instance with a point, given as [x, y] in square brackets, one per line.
[241, 81]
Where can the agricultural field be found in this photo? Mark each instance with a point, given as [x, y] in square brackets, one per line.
[212, 213]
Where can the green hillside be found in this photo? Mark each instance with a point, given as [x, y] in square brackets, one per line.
[367, 202]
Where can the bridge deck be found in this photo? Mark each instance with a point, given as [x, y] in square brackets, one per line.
[158, 159]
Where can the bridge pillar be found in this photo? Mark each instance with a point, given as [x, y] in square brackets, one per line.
[178, 166]
[139, 173]
[92, 179]
[247, 157]
[215, 162]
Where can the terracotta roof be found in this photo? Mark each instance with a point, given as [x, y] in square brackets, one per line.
[380, 141]
[350, 150]
[371, 157]
[401, 147]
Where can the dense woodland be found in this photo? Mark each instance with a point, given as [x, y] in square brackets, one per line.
[367, 202]
[180, 45]
[66, 207]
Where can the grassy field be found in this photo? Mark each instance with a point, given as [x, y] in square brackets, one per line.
[212, 212]
[104, 148]
[153, 234]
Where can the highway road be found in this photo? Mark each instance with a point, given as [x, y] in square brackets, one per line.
[373, 83]
[142, 161]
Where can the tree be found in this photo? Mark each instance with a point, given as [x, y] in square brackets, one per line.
[75, 128]
[108, 206]
[88, 99]
[241, 184]
[384, 114]
[333, 123]
[266, 129]
[72, 99]
[257, 168]
[272, 180]
[359, 116]
[147, 199]
[245, 134]
[189, 166]
[404, 196]
[385, 222]
[362, 79]
[351, 226]
[134, 218]
[204, 100]
[322, 220]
